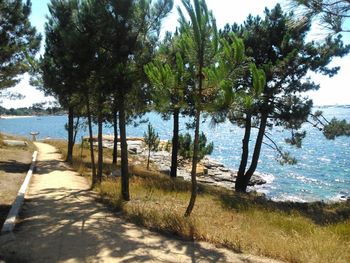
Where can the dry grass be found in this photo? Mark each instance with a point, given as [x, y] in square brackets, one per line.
[30, 146]
[14, 164]
[291, 232]
[1, 140]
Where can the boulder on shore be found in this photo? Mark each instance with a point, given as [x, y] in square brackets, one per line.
[15, 143]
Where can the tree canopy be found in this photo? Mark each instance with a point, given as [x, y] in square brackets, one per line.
[277, 44]
[19, 41]
[331, 14]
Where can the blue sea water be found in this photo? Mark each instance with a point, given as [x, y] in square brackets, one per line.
[322, 171]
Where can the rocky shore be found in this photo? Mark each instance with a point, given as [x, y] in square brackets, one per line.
[209, 171]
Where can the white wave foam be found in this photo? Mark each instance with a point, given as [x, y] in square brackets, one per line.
[339, 197]
[324, 159]
[290, 198]
[269, 178]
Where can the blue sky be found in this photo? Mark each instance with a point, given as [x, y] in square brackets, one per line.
[334, 90]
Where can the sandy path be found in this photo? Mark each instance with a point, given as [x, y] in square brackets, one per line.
[61, 222]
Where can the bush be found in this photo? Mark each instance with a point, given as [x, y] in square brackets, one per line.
[186, 146]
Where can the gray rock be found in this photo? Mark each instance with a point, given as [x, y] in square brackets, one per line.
[256, 180]
[224, 169]
[224, 177]
[116, 172]
[164, 170]
[206, 180]
[210, 164]
[15, 143]
[132, 150]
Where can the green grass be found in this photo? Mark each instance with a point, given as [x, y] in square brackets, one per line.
[315, 232]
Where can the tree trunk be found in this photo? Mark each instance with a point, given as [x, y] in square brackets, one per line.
[195, 146]
[76, 130]
[69, 158]
[100, 147]
[92, 155]
[175, 144]
[256, 154]
[149, 154]
[245, 154]
[115, 141]
[124, 150]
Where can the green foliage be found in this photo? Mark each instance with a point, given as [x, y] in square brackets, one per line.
[200, 42]
[19, 41]
[167, 146]
[296, 139]
[259, 80]
[60, 72]
[151, 138]
[33, 110]
[186, 146]
[336, 128]
[169, 80]
[285, 158]
[331, 129]
[277, 44]
[331, 14]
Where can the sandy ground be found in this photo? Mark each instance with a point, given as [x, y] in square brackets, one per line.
[61, 222]
[14, 164]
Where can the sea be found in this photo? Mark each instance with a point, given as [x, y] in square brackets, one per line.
[322, 172]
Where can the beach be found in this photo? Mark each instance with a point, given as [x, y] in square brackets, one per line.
[14, 117]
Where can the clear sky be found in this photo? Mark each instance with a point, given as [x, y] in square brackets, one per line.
[334, 90]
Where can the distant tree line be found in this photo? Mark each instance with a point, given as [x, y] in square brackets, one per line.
[35, 109]
[104, 61]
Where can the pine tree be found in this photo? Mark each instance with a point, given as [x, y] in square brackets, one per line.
[19, 41]
[277, 45]
[186, 146]
[56, 70]
[331, 14]
[151, 139]
[169, 80]
[200, 40]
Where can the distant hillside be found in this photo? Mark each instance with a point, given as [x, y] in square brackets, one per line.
[33, 110]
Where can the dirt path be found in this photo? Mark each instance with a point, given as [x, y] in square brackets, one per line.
[61, 222]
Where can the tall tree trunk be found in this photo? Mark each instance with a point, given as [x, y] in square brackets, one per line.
[76, 125]
[69, 158]
[194, 166]
[92, 154]
[195, 146]
[149, 154]
[256, 154]
[100, 147]
[115, 140]
[175, 144]
[124, 150]
[245, 154]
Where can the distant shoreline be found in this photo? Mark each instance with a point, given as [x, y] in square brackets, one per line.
[15, 116]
